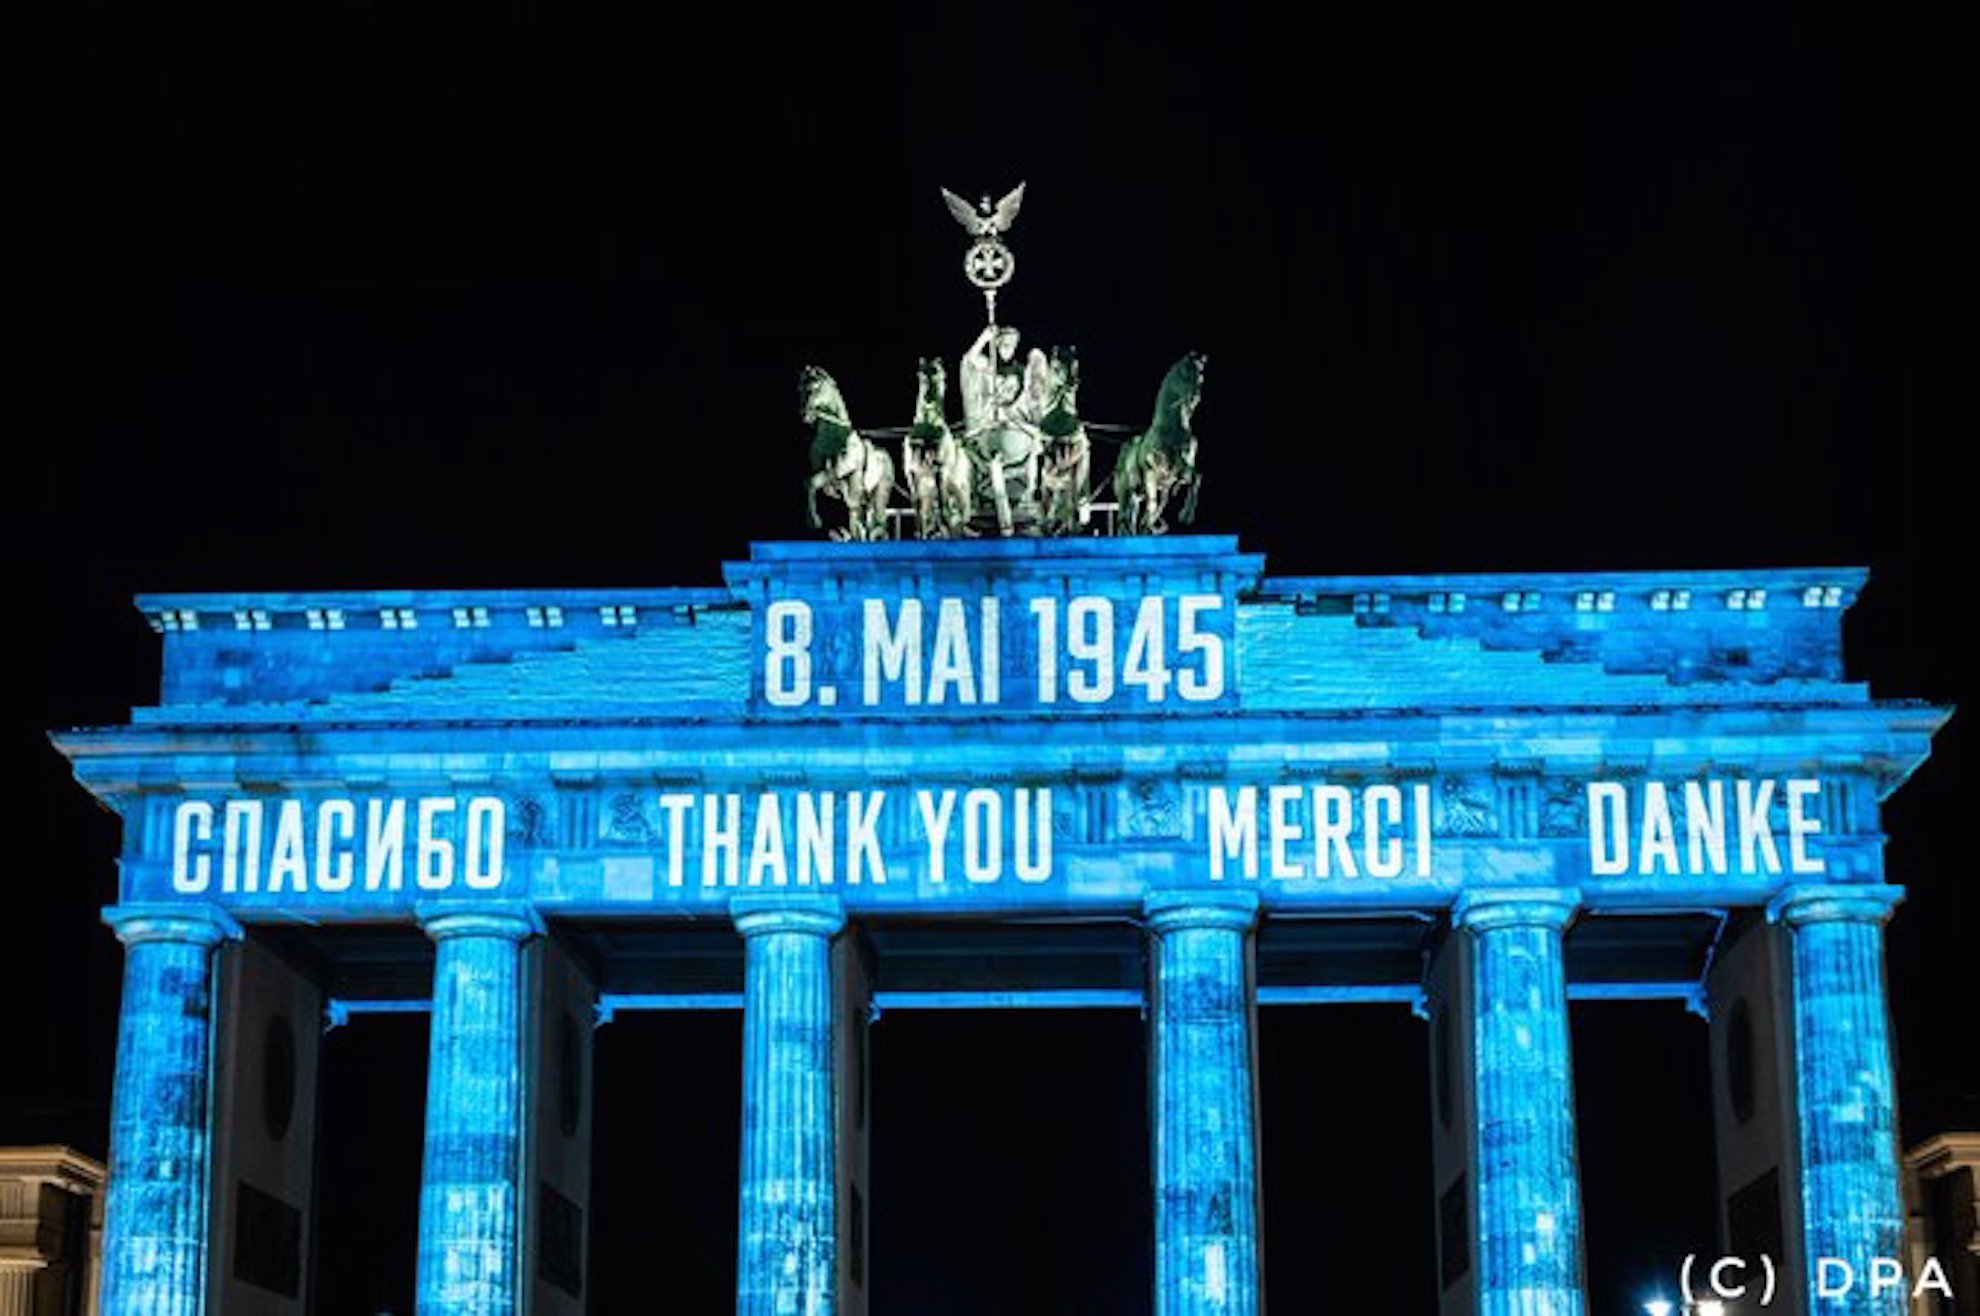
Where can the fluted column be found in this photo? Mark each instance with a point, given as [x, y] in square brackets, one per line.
[17, 1287]
[1852, 1205]
[1205, 1125]
[471, 1189]
[161, 1114]
[1527, 1188]
[787, 1250]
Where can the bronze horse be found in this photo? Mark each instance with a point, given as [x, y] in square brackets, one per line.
[843, 463]
[1162, 459]
[939, 472]
[1065, 474]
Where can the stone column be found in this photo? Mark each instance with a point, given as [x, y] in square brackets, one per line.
[787, 1250]
[17, 1287]
[1527, 1188]
[471, 1192]
[1852, 1201]
[154, 1249]
[1203, 1049]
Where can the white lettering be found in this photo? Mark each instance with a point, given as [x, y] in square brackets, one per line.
[294, 845]
[487, 833]
[1717, 1277]
[287, 866]
[1090, 640]
[787, 653]
[766, 844]
[1333, 816]
[993, 649]
[433, 867]
[1381, 849]
[336, 826]
[1421, 797]
[863, 836]
[385, 845]
[1659, 850]
[1282, 828]
[191, 874]
[1608, 816]
[1801, 826]
[1233, 830]
[893, 653]
[983, 835]
[1034, 834]
[815, 862]
[721, 840]
[1756, 828]
[950, 665]
[935, 822]
[1705, 825]
[240, 858]
[1192, 684]
[674, 808]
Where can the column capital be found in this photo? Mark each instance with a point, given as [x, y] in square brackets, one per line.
[1833, 904]
[509, 920]
[1167, 911]
[196, 924]
[1486, 908]
[756, 913]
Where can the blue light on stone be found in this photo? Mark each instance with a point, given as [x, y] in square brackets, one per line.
[787, 1251]
[1528, 1185]
[1851, 1208]
[471, 1194]
[1205, 1126]
[1027, 731]
[154, 1236]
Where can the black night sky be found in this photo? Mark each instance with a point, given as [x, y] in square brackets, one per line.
[377, 295]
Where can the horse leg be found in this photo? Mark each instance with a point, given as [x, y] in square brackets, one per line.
[877, 480]
[962, 496]
[811, 499]
[1157, 502]
[1124, 493]
[1081, 492]
[1031, 476]
[1002, 497]
[922, 478]
[1188, 514]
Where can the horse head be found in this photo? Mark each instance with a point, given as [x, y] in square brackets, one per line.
[1182, 389]
[1065, 373]
[819, 397]
[932, 399]
[1061, 416]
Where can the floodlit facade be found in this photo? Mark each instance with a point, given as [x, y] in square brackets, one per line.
[51, 1223]
[852, 774]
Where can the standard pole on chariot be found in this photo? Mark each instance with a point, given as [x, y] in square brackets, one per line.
[989, 263]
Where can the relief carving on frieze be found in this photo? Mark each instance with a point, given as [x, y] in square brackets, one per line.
[1154, 809]
[1469, 807]
[1564, 810]
[529, 822]
[628, 820]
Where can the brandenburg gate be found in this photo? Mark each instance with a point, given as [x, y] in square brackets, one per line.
[1005, 771]
[1009, 764]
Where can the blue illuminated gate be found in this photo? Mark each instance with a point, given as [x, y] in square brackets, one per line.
[832, 783]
